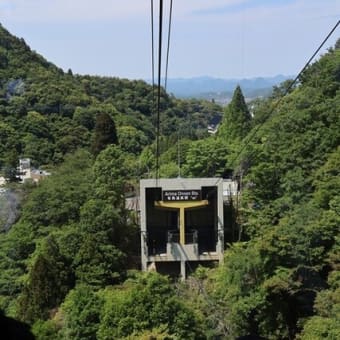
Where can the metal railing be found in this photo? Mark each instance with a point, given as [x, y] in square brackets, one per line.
[190, 237]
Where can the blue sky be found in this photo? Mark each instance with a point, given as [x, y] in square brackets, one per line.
[220, 38]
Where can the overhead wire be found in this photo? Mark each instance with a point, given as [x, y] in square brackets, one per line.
[152, 58]
[153, 62]
[168, 47]
[160, 33]
[287, 90]
[158, 108]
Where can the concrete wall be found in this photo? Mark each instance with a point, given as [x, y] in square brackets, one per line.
[174, 251]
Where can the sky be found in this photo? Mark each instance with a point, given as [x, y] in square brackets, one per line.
[217, 38]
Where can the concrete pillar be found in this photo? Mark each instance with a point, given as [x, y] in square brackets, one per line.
[220, 222]
[181, 226]
[183, 272]
[143, 238]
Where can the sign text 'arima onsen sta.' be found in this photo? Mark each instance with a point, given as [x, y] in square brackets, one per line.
[181, 195]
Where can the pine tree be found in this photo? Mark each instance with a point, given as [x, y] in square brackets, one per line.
[236, 119]
[105, 133]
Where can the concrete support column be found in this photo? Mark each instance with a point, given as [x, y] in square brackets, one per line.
[143, 231]
[183, 271]
[181, 226]
[220, 222]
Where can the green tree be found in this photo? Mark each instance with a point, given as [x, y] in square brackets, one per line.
[145, 303]
[81, 313]
[98, 262]
[327, 180]
[236, 119]
[320, 328]
[37, 124]
[58, 199]
[108, 233]
[206, 158]
[131, 139]
[9, 145]
[49, 279]
[84, 117]
[39, 150]
[104, 133]
[10, 168]
[43, 330]
[239, 294]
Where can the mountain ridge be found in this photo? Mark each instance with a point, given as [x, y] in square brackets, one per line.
[221, 89]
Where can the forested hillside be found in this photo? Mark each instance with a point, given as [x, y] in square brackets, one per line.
[46, 113]
[69, 262]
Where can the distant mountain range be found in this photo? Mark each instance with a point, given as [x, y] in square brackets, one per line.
[221, 90]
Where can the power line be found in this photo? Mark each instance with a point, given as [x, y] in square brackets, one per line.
[160, 34]
[152, 56]
[254, 132]
[159, 84]
[168, 47]
[152, 60]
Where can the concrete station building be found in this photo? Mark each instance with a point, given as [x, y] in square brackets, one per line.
[182, 222]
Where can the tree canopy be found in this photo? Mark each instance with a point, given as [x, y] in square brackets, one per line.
[236, 121]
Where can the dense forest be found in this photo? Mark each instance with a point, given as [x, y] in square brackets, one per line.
[69, 259]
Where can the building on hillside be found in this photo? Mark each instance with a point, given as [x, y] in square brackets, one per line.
[24, 169]
[132, 203]
[212, 129]
[26, 172]
[182, 222]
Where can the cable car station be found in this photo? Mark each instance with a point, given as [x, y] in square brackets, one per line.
[182, 222]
